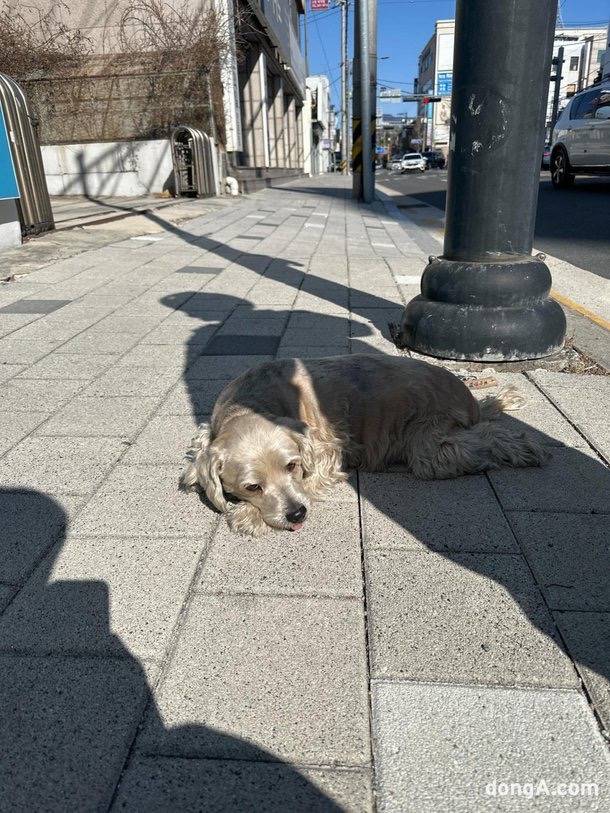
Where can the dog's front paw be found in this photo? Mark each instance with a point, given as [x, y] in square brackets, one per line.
[244, 518]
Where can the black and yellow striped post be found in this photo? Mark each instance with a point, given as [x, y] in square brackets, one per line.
[364, 100]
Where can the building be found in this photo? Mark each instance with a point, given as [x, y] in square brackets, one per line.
[583, 51]
[319, 126]
[105, 123]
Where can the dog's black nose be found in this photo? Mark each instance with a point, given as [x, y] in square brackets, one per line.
[298, 515]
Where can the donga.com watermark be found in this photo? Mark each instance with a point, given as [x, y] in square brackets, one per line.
[542, 787]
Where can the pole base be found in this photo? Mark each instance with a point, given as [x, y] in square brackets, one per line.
[493, 311]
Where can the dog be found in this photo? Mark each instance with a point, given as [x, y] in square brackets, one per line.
[285, 433]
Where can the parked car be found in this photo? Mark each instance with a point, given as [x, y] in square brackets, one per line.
[581, 137]
[435, 160]
[395, 162]
[413, 160]
[546, 157]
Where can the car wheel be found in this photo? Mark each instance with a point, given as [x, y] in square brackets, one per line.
[561, 176]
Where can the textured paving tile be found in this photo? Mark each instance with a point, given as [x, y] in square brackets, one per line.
[99, 343]
[69, 367]
[144, 501]
[6, 594]
[242, 346]
[34, 306]
[132, 381]
[10, 322]
[198, 269]
[472, 618]
[21, 395]
[587, 636]
[448, 747]
[60, 465]
[243, 668]
[30, 523]
[164, 440]
[10, 371]
[573, 480]
[227, 367]
[193, 397]
[570, 557]
[66, 728]
[445, 515]
[102, 596]
[161, 784]
[321, 559]
[110, 417]
[15, 427]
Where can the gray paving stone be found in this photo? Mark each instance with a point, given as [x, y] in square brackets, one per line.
[177, 334]
[155, 357]
[13, 350]
[63, 608]
[473, 618]
[60, 465]
[587, 636]
[30, 523]
[161, 784]
[573, 481]
[138, 325]
[15, 427]
[87, 416]
[10, 371]
[227, 367]
[22, 395]
[234, 345]
[93, 342]
[74, 367]
[196, 397]
[401, 512]
[6, 594]
[132, 381]
[198, 269]
[164, 440]
[253, 327]
[243, 668]
[287, 351]
[10, 322]
[67, 724]
[144, 501]
[34, 306]
[570, 557]
[448, 747]
[322, 559]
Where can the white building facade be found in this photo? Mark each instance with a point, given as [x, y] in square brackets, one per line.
[583, 54]
[319, 126]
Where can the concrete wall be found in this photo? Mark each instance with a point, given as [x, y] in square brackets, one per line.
[112, 168]
[10, 228]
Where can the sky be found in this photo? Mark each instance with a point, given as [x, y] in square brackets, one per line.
[404, 27]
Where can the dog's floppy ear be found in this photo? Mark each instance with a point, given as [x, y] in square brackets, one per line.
[321, 455]
[203, 468]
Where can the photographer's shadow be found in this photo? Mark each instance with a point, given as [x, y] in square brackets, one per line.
[77, 706]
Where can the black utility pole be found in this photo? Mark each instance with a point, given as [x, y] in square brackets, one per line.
[487, 298]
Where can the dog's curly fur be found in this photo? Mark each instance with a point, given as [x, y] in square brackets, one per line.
[293, 428]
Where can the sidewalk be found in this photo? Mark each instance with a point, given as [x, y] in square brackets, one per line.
[413, 648]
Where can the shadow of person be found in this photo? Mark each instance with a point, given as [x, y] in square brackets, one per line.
[74, 697]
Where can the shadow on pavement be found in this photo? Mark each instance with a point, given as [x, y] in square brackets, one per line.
[73, 698]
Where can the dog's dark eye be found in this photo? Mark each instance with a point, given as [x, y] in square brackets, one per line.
[253, 487]
[291, 466]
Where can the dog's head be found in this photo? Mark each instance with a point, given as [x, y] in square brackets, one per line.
[254, 471]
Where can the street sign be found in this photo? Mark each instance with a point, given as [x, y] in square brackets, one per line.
[379, 150]
[8, 180]
[444, 83]
[390, 93]
[318, 5]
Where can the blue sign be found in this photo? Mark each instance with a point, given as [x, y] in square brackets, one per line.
[444, 83]
[379, 150]
[8, 181]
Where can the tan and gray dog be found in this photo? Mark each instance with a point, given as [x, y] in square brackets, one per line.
[285, 432]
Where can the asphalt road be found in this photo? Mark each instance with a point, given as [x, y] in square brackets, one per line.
[573, 224]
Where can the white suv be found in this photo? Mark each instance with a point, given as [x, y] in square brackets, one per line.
[581, 137]
[413, 160]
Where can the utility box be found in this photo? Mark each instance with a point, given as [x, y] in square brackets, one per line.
[195, 162]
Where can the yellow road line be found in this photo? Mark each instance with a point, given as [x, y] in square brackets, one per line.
[575, 306]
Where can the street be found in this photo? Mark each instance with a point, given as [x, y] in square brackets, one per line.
[571, 224]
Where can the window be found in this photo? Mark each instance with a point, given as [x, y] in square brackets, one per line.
[602, 106]
[573, 63]
[585, 106]
[600, 53]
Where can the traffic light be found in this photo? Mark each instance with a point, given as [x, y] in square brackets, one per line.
[428, 99]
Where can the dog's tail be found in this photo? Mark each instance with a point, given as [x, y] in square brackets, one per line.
[506, 400]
